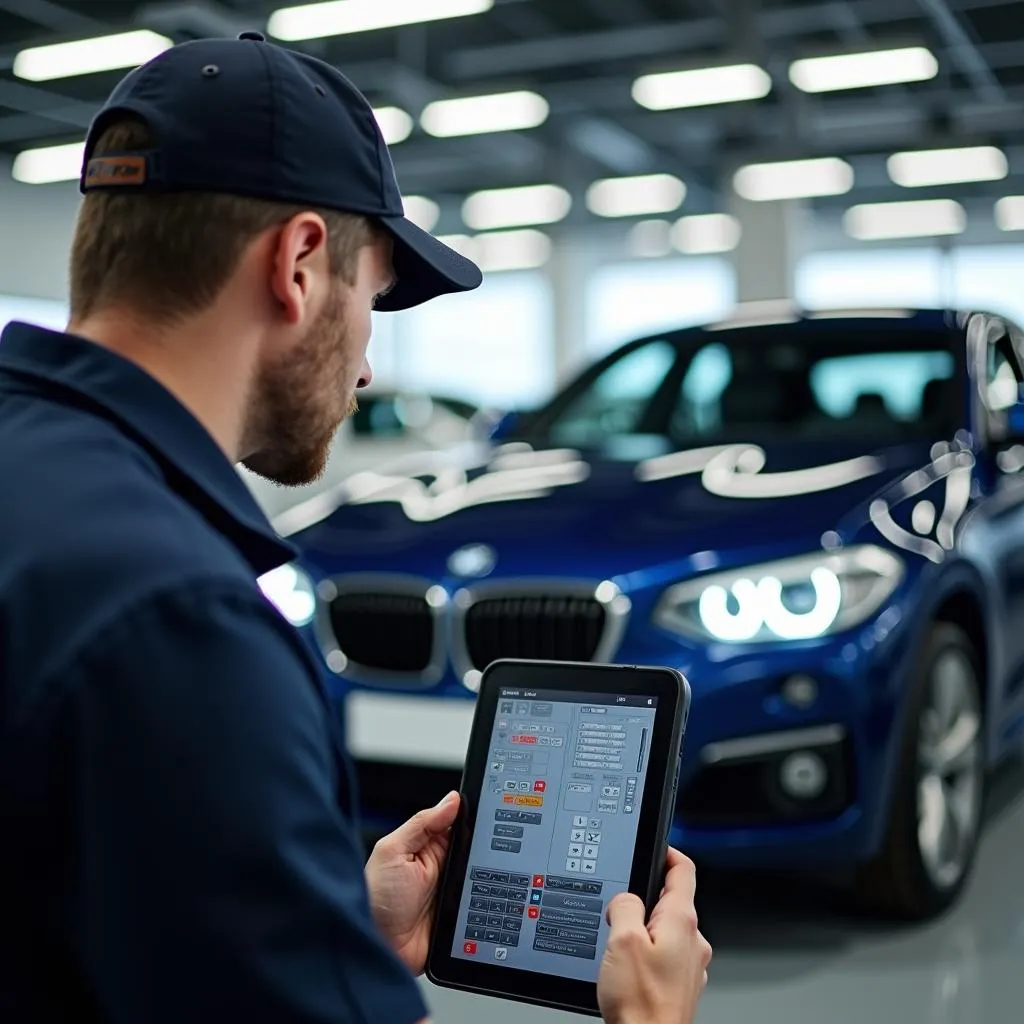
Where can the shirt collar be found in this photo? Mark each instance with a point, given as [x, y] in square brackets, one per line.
[195, 466]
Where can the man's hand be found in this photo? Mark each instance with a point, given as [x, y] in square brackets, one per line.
[402, 875]
[655, 972]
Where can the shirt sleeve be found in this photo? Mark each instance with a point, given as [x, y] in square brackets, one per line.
[215, 877]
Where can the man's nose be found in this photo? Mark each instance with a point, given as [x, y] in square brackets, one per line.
[365, 375]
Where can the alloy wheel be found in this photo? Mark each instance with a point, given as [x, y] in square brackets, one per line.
[950, 769]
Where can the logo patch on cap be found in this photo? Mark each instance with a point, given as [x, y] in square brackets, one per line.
[111, 171]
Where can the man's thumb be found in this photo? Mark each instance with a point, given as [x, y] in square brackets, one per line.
[423, 826]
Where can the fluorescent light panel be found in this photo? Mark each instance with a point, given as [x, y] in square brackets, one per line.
[477, 115]
[395, 124]
[89, 56]
[49, 164]
[342, 17]
[702, 87]
[516, 207]
[635, 196]
[921, 219]
[512, 250]
[423, 212]
[1010, 213]
[706, 233]
[863, 70]
[947, 166]
[497, 251]
[794, 179]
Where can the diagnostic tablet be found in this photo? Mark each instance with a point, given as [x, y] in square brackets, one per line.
[567, 799]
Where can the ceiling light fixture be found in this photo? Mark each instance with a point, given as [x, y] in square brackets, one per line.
[794, 179]
[947, 166]
[702, 87]
[423, 212]
[511, 250]
[343, 17]
[395, 124]
[706, 233]
[49, 164]
[516, 207]
[89, 56]
[636, 196]
[478, 115]
[863, 70]
[1009, 213]
[921, 219]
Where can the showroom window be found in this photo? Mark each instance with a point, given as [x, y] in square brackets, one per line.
[871, 277]
[44, 312]
[990, 277]
[629, 300]
[493, 346]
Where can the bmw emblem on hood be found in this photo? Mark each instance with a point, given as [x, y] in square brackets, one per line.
[473, 560]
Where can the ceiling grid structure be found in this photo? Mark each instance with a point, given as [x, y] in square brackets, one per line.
[580, 64]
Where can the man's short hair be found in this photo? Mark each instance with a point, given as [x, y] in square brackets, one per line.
[168, 256]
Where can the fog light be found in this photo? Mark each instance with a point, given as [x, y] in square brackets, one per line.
[803, 775]
[800, 691]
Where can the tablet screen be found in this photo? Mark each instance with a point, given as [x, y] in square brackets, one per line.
[555, 829]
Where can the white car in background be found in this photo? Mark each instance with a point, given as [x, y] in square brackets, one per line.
[388, 426]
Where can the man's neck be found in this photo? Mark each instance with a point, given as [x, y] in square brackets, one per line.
[194, 360]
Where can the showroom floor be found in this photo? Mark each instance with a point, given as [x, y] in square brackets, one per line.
[782, 957]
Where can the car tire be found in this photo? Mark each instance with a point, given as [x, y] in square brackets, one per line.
[936, 806]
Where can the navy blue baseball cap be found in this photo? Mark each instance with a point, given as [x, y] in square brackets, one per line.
[249, 118]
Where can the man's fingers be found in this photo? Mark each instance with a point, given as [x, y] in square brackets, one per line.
[681, 875]
[414, 835]
[626, 913]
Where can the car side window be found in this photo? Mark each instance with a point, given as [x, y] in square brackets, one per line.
[615, 401]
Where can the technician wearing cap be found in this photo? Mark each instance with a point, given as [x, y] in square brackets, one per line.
[175, 808]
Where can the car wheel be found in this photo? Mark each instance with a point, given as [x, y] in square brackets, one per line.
[936, 813]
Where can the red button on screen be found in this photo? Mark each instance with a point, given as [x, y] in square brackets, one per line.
[538, 881]
[469, 948]
[533, 912]
[539, 786]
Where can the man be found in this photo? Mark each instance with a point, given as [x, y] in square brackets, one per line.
[178, 840]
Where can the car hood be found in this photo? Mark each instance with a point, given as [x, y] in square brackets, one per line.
[558, 508]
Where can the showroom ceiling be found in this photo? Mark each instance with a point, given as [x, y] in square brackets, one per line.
[584, 57]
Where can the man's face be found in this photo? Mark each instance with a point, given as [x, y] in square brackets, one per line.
[300, 399]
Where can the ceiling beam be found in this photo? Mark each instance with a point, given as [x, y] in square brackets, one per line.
[660, 39]
[54, 17]
[964, 51]
[197, 18]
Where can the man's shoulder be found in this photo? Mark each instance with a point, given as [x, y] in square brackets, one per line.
[81, 550]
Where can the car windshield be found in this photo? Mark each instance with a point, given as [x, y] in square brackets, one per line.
[753, 384]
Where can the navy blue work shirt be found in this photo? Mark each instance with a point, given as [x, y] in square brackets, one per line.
[176, 840]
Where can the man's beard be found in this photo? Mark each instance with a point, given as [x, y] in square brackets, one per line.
[295, 404]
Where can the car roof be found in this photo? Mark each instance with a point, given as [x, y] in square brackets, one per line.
[781, 314]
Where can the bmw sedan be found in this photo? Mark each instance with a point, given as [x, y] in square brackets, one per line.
[819, 520]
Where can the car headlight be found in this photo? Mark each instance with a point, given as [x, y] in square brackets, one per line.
[793, 599]
[291, 591]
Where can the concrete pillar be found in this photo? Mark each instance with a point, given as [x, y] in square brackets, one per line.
[575, 256]
[770, 244]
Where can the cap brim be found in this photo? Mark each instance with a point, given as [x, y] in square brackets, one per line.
[424, 267]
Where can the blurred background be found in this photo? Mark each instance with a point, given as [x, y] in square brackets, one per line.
[635, 169]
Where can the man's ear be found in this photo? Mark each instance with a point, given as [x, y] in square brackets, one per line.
[299, 258]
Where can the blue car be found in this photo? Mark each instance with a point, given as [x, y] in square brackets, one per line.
[818, 518]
